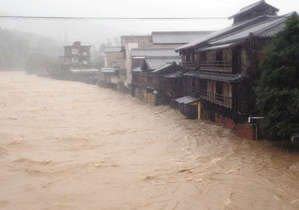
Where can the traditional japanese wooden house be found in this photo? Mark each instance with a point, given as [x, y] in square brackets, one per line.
[220, 68]
[172, 86]
[145, 61]
[164, 40]
[160, 85]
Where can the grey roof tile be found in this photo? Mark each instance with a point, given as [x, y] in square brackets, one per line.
[154, 52]
[215, 76]
[251, 7]
[155, 63]
[177, 37]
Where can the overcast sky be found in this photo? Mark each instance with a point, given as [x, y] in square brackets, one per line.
[97, 31]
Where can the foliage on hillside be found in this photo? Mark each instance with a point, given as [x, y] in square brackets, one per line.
[19, 49]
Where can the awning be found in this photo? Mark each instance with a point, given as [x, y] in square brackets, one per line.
[186, 100]
[221, 77]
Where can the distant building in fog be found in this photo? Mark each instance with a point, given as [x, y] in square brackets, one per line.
[114, 67]
[153, 50]
[76, 55]
[168, 40]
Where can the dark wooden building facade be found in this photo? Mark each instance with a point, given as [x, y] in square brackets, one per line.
[221, 68]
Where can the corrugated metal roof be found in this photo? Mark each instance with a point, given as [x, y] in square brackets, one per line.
[186, 100]
[215, 76]
[154, 52]
[177, 37]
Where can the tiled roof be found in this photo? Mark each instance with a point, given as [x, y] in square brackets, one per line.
[155, 63]
[215, 76]
[260, 26]
[215, 47]
[220, 33]
[251, 7]
[177, 37]
[154, 52]
[163, 67]
[271, 25]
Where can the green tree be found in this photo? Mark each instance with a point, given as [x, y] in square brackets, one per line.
[277, 89]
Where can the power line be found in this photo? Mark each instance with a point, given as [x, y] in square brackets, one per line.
[106, 18]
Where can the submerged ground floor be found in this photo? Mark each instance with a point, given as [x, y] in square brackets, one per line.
[69, 145]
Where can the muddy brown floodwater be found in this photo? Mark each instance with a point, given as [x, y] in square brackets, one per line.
[67, 145]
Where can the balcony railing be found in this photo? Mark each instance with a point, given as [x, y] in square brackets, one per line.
[216, 66]
[218, 99]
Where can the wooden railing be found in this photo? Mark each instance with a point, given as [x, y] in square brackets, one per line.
[217, 99]
[219, 66]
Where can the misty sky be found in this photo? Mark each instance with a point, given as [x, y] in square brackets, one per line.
[97, 31]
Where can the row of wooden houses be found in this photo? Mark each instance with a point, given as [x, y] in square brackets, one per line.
[206, 75]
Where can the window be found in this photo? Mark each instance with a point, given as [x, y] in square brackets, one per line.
[203, 87]
[219, 88]
[193, 84]
[244, 59]
[188, 58]
[219, 91]
[203, 57]
[219, 56]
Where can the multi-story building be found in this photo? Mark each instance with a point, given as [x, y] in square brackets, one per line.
[168, 40]
[113, 72]
[220, 68]
[129, 43]
[160, 56]
[76, 55]
[146, 61]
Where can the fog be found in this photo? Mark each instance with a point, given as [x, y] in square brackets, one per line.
[95, 32]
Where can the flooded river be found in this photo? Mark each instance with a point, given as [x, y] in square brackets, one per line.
[68, 145]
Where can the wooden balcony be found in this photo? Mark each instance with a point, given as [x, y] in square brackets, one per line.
[190, 65]
[217, 66]
[220, 100]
